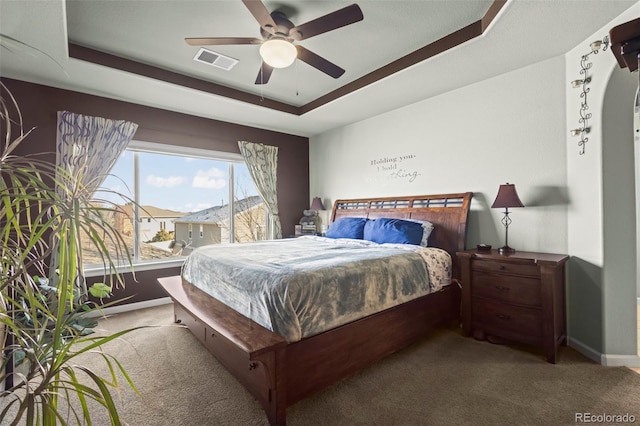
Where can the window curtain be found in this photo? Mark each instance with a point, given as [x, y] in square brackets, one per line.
[262, 163]
[86, 149]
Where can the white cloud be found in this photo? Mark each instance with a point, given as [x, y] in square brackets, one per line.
[165, 182]
[210, 179]
[190, 207]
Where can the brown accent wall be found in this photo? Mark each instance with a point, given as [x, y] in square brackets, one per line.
[39, 105]
[140, 288]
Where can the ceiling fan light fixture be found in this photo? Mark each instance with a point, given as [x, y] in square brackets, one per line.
[278, 53]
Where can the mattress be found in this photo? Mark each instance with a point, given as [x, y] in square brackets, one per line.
[299, 287]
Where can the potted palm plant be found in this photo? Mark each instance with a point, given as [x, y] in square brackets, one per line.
[47, 215]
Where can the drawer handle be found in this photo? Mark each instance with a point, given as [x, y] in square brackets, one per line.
[503, 316]
[502, 288]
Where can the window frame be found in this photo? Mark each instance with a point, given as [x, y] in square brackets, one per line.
[137, 146]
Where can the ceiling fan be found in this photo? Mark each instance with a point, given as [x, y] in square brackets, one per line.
[277, 47]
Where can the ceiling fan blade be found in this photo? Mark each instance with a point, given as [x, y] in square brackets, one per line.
[212, 41]
[326, 23]
[319, 62]
[260, 12]
[264, 74]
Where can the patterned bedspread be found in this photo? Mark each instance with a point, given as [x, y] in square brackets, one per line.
[303, 286]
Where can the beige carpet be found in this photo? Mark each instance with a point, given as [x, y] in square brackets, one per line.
[446, 379]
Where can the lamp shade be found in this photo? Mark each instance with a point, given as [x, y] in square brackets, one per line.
[278, 53]
[507, 197]
[316, 204]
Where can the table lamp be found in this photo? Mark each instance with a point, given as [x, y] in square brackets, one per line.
[507, 197]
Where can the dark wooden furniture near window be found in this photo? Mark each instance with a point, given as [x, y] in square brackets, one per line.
[279, 373]
[517, 297]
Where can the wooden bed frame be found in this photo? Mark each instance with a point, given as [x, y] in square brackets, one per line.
[277, 373]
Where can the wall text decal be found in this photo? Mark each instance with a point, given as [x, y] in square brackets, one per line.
[401, 167]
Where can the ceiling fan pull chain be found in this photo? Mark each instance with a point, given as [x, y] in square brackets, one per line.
[297, 80]
[261, 86]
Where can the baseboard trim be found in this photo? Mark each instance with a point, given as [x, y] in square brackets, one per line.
[606, 360]
[620, 360]
[585, 350]
[130, 307]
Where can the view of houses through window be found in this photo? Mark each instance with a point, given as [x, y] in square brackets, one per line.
[180, 202]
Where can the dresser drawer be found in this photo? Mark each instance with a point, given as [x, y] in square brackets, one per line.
[514, 319]
[527, 269]
[506, 288]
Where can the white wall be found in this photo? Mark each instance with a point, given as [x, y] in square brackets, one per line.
[506, 129]
[515, 128]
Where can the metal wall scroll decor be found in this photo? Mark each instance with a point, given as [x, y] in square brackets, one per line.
[583, 84]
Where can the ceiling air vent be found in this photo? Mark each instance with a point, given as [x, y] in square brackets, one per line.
[216, 59]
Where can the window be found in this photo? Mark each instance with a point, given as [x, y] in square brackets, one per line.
[175, 188]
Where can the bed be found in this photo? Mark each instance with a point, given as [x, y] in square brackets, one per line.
[279, 369]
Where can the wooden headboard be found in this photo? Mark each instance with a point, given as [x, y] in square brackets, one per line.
[447, 212]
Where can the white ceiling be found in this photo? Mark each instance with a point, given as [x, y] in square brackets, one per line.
[153, 32]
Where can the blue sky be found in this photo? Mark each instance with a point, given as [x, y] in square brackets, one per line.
[183, 184]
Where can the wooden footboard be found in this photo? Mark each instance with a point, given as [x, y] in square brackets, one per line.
[314, 363]
[278, 374]
[253, 354]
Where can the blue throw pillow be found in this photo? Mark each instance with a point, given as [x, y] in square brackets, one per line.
[347, 227]
[387, 230]
[427, 229]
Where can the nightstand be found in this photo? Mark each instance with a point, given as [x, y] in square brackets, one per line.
[517, 297]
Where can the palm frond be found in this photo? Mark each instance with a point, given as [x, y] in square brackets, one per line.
[44, 212]
[14, 45]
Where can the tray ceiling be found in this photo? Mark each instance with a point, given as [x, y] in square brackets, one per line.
[151, 33]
